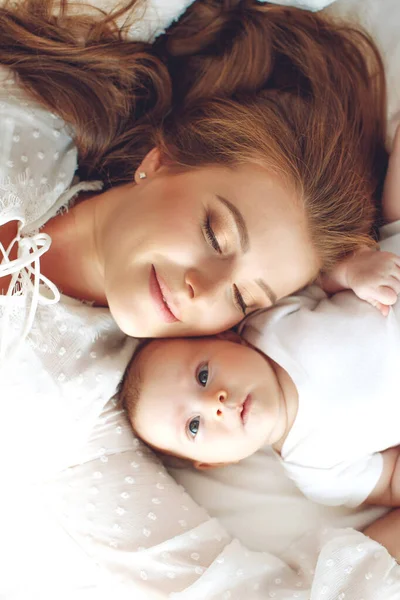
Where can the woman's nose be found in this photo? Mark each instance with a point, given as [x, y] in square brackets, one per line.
[208, 281]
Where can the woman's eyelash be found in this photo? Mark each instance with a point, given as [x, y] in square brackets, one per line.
[210, 235]
[240, 303]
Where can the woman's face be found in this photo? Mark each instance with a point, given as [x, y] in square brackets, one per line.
[186, 253]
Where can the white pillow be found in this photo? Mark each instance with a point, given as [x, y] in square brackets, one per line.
[158, 14]
[305, 4]
[154, 16]
[382, 20]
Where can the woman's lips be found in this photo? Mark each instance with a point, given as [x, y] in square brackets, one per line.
[244, 415]
[159, 297]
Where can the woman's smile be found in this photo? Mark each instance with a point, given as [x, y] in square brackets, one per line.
[162, 298]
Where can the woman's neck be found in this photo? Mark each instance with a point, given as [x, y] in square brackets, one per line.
[72, 261]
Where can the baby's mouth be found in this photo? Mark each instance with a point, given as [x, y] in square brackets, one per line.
[244, 413]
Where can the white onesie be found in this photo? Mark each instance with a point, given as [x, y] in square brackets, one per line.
[344, 358]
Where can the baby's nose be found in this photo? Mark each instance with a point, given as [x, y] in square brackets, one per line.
[223, 402]
[220, 399]
[222, 396]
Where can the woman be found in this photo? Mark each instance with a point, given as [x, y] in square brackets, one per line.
[252, 183]
[255, 194]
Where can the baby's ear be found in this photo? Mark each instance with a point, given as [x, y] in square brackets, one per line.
[206, 466]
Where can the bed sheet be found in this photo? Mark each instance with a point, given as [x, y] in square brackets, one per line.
[254, 500]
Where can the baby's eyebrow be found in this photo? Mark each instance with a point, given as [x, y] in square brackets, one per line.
[239, 221]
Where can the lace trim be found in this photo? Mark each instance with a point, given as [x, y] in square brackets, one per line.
[22, 190]
[26, 278]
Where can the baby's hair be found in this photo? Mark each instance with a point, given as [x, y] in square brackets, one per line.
[130, 386]
[129, 395]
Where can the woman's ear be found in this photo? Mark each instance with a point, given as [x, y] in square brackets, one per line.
[149, 165]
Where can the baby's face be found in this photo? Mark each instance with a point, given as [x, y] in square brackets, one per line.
[208, 400]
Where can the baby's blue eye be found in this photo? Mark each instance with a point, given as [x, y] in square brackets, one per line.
[202, 375]
[194, 426]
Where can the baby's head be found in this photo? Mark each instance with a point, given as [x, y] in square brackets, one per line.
[209, 400]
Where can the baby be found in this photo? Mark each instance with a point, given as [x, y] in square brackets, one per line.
[316, 378]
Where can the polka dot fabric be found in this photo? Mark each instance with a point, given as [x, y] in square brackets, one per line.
[141, 529]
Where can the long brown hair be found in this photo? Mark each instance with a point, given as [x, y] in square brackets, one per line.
[232, 81]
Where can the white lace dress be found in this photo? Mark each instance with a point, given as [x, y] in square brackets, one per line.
[58, 356]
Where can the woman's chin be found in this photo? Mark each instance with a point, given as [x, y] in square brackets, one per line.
[142, 325]
[146, 324]
[128, 322]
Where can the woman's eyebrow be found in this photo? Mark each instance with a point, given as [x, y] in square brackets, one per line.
[240, 224]
[267, 291]
[245, 243]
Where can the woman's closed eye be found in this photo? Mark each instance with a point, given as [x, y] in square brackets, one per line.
[238, 300]
[211, 238]
[210, 235]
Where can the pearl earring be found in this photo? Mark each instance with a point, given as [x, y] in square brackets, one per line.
[142, 175]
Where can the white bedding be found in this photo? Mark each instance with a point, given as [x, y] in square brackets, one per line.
[76, 535]
[257, 503]
[382, 19]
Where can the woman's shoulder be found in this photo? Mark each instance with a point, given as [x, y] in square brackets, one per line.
[38, 157]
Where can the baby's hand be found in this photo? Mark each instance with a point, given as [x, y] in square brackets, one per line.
[373, 276]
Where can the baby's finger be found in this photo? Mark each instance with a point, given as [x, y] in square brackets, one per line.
[385, 295]
[396, 259]
[394, 283]
[390, 266]
[383, 308]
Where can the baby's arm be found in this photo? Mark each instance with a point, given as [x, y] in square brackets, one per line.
[386, 531]
[374, 276]
[391, 192]
[387, 490]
